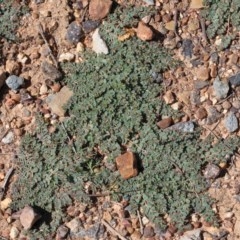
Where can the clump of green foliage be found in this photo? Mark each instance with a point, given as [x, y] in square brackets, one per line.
[222, 14]
[116, 104]
[10, 13]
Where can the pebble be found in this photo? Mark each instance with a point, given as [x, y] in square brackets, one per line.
[50, 71]
[186, 127]
[12, 67]
[169, 97]
[202, 73]
[4, 204]
[66, 57]
[195, 98]
[148, 232]
[221, 88]
[14, 232]
[136, 235]
[193, 234]
[213, 115]
[74, 33]
[149, 2]
[214, 57]
[8, 138]
[62, 232]
[90, 25]
[165, 123]
[144, 32]
[227, 105]
[187, 48]
[212, 171]
[200, 84]
[14, 82]
[235, 80]
[74, 225]
[99, 9]
[28, 217]
[43, 89]
[231, 122]
[98, 45]
[201, 113]
[127, 165]
[145, 220]
[236, 104]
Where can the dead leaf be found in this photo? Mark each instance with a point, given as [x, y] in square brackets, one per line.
[129, 32]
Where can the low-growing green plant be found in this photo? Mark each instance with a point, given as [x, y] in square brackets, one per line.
[116, 105]
[222, 15]
[10, 13]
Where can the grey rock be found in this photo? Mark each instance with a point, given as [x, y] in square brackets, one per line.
[14, 82]
[8, 138]
[212, 171]
[231, 122]
[214, 57]
[213, 115]
[62, 232]
[221, 88]
[149, 2]
[98, 45]
[200, 84]
[235, 80]
[186, 127]
[50, 71]
[192, 235]
[187, 48]
[195, 97]
[39, 1]
[90, 25]
[74, 32]
[74, 225]
[148, 232]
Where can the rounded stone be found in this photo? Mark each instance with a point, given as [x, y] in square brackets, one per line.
[14, 82]
[74, 32]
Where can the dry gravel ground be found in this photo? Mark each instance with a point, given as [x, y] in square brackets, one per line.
[189, 88]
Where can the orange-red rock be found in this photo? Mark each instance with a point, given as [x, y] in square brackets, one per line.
[127, 165]
[165, 123]
[99, 9]
[144, 32]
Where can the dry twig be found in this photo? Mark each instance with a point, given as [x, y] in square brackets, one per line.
[140, 222]
[112, 230]
[40, 29]
[203, 27]
[69, 139]
[3, 188]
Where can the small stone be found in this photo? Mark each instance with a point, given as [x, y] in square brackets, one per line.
[74, 33]
[99, 9]
[14, 232]
[213, 71]
[200, 84]
[202, 73]
[201, 113]
[4, 204]
[14, 82]
[50, 71]
[58, 100]
[8, 138]
[62, 232]
[231, 122]
[213, 115]
[169, 97]
[235, 80]
[228, 215]
[214, 57]
[193, 234]
[144, 32]
[170, 26]
[227, 105]
[89, 25]
[236, 104]
[148, 232]
[187, 48]
[145, 220]
[98, 45]
[127, 165]
[221, 88]
[28, 217]
[2, 78]
[74, 225]
[212, 171]
[39, 1]
[66, 57]
[43, 89]
[12, 67]
[136, 235]
[149, 2]
[183, 127]
[165, 123]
